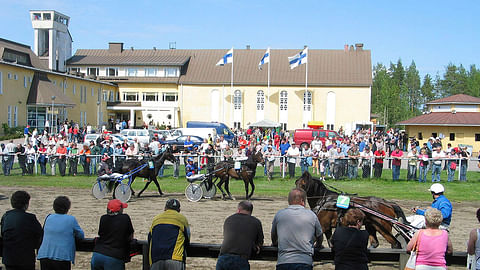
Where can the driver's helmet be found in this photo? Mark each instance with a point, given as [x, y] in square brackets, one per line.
[190, 159]
[437, 188]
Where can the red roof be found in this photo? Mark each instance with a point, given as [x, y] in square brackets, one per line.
[456, 99]
[444, 119]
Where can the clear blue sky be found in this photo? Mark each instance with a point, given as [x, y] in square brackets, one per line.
[433, 33]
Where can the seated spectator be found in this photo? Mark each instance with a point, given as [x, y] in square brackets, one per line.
[21, 234]
[115, 232]
[432, 243]
[60, 231]
[350, 243]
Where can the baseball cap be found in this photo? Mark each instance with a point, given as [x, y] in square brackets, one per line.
[173, 204]
[116, 205]
[436, 188]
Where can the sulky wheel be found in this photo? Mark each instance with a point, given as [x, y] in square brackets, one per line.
[210, 193]
[193, 192]
[123, 192]
[99, 190]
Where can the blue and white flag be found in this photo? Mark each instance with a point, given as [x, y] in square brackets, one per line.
[226, 59]
[298, 59]
[265, 59]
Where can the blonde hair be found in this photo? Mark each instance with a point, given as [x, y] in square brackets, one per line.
[433, 218]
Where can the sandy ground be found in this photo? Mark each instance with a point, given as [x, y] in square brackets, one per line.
[205, 217]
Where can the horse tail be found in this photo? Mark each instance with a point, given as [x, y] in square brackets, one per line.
[399, 212]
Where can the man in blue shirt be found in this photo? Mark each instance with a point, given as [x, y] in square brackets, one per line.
[440, 202]
[284, 145]
[188, 145]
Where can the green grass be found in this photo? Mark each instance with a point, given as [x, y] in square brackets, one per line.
[278, 187]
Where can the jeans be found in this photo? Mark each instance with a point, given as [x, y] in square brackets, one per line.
[62, 164]
[161, 170]
[232, 262]
[291, 169]
[450, 172]
[43, 168]
[294, 266]
[378, 170]
[102, 262]
[422, 176]
[463, 170]
[175, 168]
[303, 165]
[412, 172]
[436, 170]
[72, 169]
[93, 166]
[86, 168]
[352, 171]
[395, 172]
[5, 166]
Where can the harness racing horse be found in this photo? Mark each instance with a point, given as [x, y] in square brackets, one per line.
[151, 174]
[225, 170]
[323, 202]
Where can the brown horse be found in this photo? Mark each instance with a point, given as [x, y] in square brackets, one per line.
[225, 170]
[151, 174]
[323, 201]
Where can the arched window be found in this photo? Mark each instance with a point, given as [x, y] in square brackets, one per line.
[237, 100]
[307, 101]
[260, 100]
[283, 100]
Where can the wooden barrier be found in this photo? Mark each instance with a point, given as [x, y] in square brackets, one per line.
[269, 253]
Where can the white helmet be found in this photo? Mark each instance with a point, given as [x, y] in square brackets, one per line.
[436, 188]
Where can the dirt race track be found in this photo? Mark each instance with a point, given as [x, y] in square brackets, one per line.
[205, 217]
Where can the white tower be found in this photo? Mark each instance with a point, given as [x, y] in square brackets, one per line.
[53, 42]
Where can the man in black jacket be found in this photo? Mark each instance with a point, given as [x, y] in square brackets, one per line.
[21, 234]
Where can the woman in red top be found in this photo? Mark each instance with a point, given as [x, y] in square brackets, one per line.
[379, 156]
[42, 158]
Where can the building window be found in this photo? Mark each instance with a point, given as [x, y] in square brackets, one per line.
[25, 81]
[452, 136]
[9, 76]
[477, 137]
[170, 97]
[284, 126]
[1, 83]
[74, 91]
[105, 95]
[260, 100]
[132, 72]
[237, 100]
[112, 72]
[130, 96]
[93, 92]
[330, 126]
[283, 100]
[9, 116]
[171, 72]
[72, 70]
[15, 116]
[307, 101]
[15, 77]
[85, 95]
[92, 71]
[150, 72]
[420, 136]
[150, 96]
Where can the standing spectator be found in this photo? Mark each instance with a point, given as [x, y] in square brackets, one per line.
[284, 146]
[432, 243]
[323, 162]
[30, 152]
[379, 156]
[168, 238]
[332, 152]
[62, 158]
[338, 163]
[292, 154]
[22, 158]
[315, 166]
[42, 159]
[118, 153]
[350, 243]
[412, 164]
[437, 157]
[451, 164]
[270, 160]
[95, 151]
[176, 164]
[85, 159]
[423, 165]
[305, 158]
[295, 230]
[21, 234]
[60, 231]
[188, 144]
[353, 155]
[4, 157]
[72, 159]
[396, 155]
[115, 232]
[131, 151]
[464, 155]
[366, 156]
[52, 157]
[10, 150]
[242, 235]
[473, 244]
[26, 132]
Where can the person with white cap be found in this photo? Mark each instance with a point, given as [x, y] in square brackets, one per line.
[440, 202]
[168, 238]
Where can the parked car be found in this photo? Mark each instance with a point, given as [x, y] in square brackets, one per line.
[181, 140]
[200, 132]
[306, 136]
[140, 134]
[221, 128]
[167, 134]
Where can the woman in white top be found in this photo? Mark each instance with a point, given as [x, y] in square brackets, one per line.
[323, 161]
[30, 152]
[292, 154]
[366, 156]
[473, 245]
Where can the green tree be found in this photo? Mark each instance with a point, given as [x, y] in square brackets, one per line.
[412, 82]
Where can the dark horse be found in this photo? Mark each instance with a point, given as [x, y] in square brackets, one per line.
[323, 202]
[151, 174]
[225, 170]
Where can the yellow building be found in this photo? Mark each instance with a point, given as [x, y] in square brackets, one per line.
[29, 91]
[454, 119]
[175, 86]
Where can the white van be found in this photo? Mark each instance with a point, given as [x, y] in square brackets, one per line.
[140, 134]
[200, 132]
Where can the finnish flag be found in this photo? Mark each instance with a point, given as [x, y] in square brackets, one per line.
[226, 59]
[298, 59]
[265, 59]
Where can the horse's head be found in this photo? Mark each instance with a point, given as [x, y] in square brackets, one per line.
[258, 158]
[304, 181]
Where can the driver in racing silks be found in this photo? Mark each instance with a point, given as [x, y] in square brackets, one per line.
[191, 168]
[440, 202]
[103, 167]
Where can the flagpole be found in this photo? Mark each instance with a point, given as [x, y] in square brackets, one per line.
[268, 82]
[231, 90]
[306, 84]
